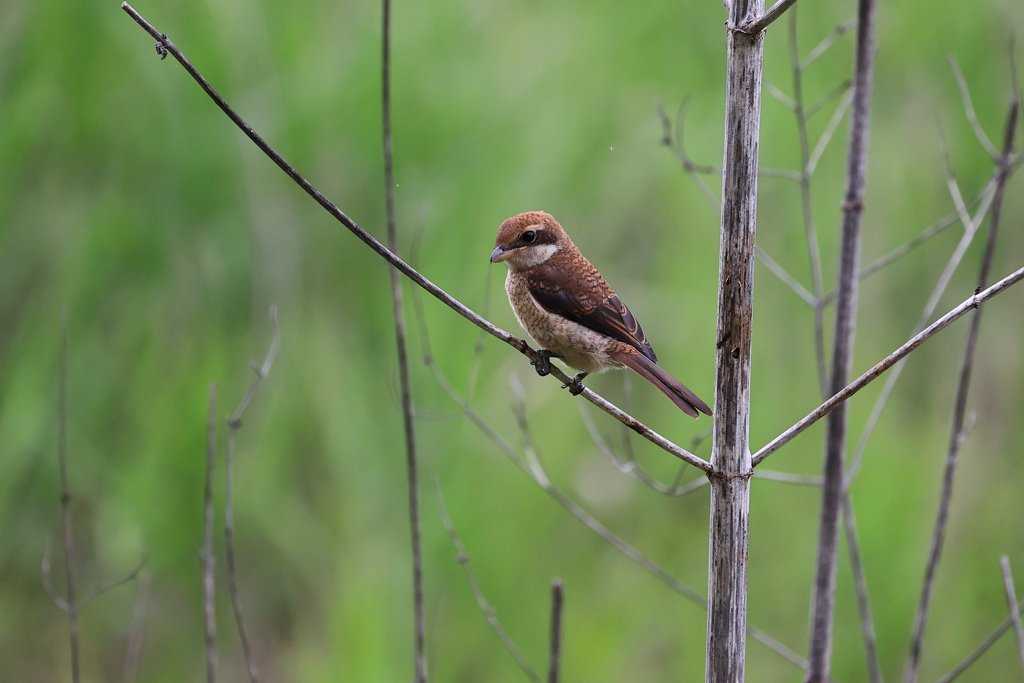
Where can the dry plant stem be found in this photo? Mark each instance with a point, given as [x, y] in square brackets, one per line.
[810, 234]
[407, 270]
[730, 456]
[890, 360]
[209, 615]
[419, 619]
[65, 499]
[773, 13]
[965, 94]
[832, 493]
[131, 660]
[234, 423]
[1011, 600]
[957, 432]
[481, 600]
[555, 659]
[955, 672]
[867, 622]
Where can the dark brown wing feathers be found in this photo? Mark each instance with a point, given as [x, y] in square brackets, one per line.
[585, 298]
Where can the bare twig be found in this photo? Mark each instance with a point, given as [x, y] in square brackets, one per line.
[1011, 600]
[555, 659]
[773, 13]
[779, 272]
[970, 228]
[832, 494]
[867, 623]
[481, 600]
[47, 583]
[412, 470]
[131, 659]
[71, 605]
[957, 433]
[819, 103]
[234, 423]
[965, 94]
[890, 360]
[209, 614]
[825, 44]
[114, 583]
[810, 234]
[407, 270]
[730, 456]
[826, 135]
[982, 648]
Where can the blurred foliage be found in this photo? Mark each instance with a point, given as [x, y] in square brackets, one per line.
[129, 200]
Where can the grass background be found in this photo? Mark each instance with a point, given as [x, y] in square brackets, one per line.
[129, 200]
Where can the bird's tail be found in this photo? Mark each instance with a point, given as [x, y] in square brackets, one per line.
[685, 399]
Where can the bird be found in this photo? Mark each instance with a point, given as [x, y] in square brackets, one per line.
[564, 304]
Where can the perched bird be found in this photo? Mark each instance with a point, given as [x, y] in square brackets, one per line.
[570, 311]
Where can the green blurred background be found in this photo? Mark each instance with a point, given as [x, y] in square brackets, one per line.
[129, 200]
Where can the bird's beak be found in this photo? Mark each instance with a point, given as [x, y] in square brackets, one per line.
[501, 254]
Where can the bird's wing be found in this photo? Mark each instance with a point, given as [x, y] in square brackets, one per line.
[585, 298]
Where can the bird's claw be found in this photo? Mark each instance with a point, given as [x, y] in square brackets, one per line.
[576, 387]
[543, 366]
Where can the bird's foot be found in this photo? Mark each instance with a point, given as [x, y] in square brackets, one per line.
[543, 366]
[576, 387]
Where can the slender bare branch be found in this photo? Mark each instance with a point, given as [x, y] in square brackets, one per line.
[957, 433]
[810, 234]
[209, 610]
[826, 135]
[555, 659]
[955, 672]
[65, 499]
[412, 468]
[970, 228]
[782, 97]
[779, 272]
[890, 360]
[819, 103]
[832, 492]
[234, 423]
[965, 94]
[131, 659]
[474, 585]
[114, 583]
[867, 622]
[825, 44]
[773, 13]
[407, 270]
[47, 583]
[1011, 600]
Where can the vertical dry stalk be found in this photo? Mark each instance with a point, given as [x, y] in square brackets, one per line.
[557, 598]
[730, 458]
[65, 498]
[403, 359]
[820, 654]
[957, 432]
[208, 561]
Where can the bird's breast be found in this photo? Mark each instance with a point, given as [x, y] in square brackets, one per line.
[579, 346]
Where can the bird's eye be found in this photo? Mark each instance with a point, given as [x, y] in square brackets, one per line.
[529, 236]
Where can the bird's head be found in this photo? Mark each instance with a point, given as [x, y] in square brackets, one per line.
[528, 240]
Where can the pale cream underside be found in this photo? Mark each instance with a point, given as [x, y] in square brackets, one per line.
[579, 347]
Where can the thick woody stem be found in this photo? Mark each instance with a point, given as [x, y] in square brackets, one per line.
[730, 458]
[820, 653]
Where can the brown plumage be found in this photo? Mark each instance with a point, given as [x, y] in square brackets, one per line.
[570, 311]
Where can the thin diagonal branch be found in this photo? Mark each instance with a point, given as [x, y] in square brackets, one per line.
[474, 585]
[773, 13]
[819, 103]
[234, 423]
[957, 432]
[955, 672]
[209, 613]
[890, 360]
[410, 272]
[825, 44]
[65, 499]
[412, 468]
[555, 658]
[965, 94]
[47, 582]
[1011, 599]
[114, 583]
[779, 272]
